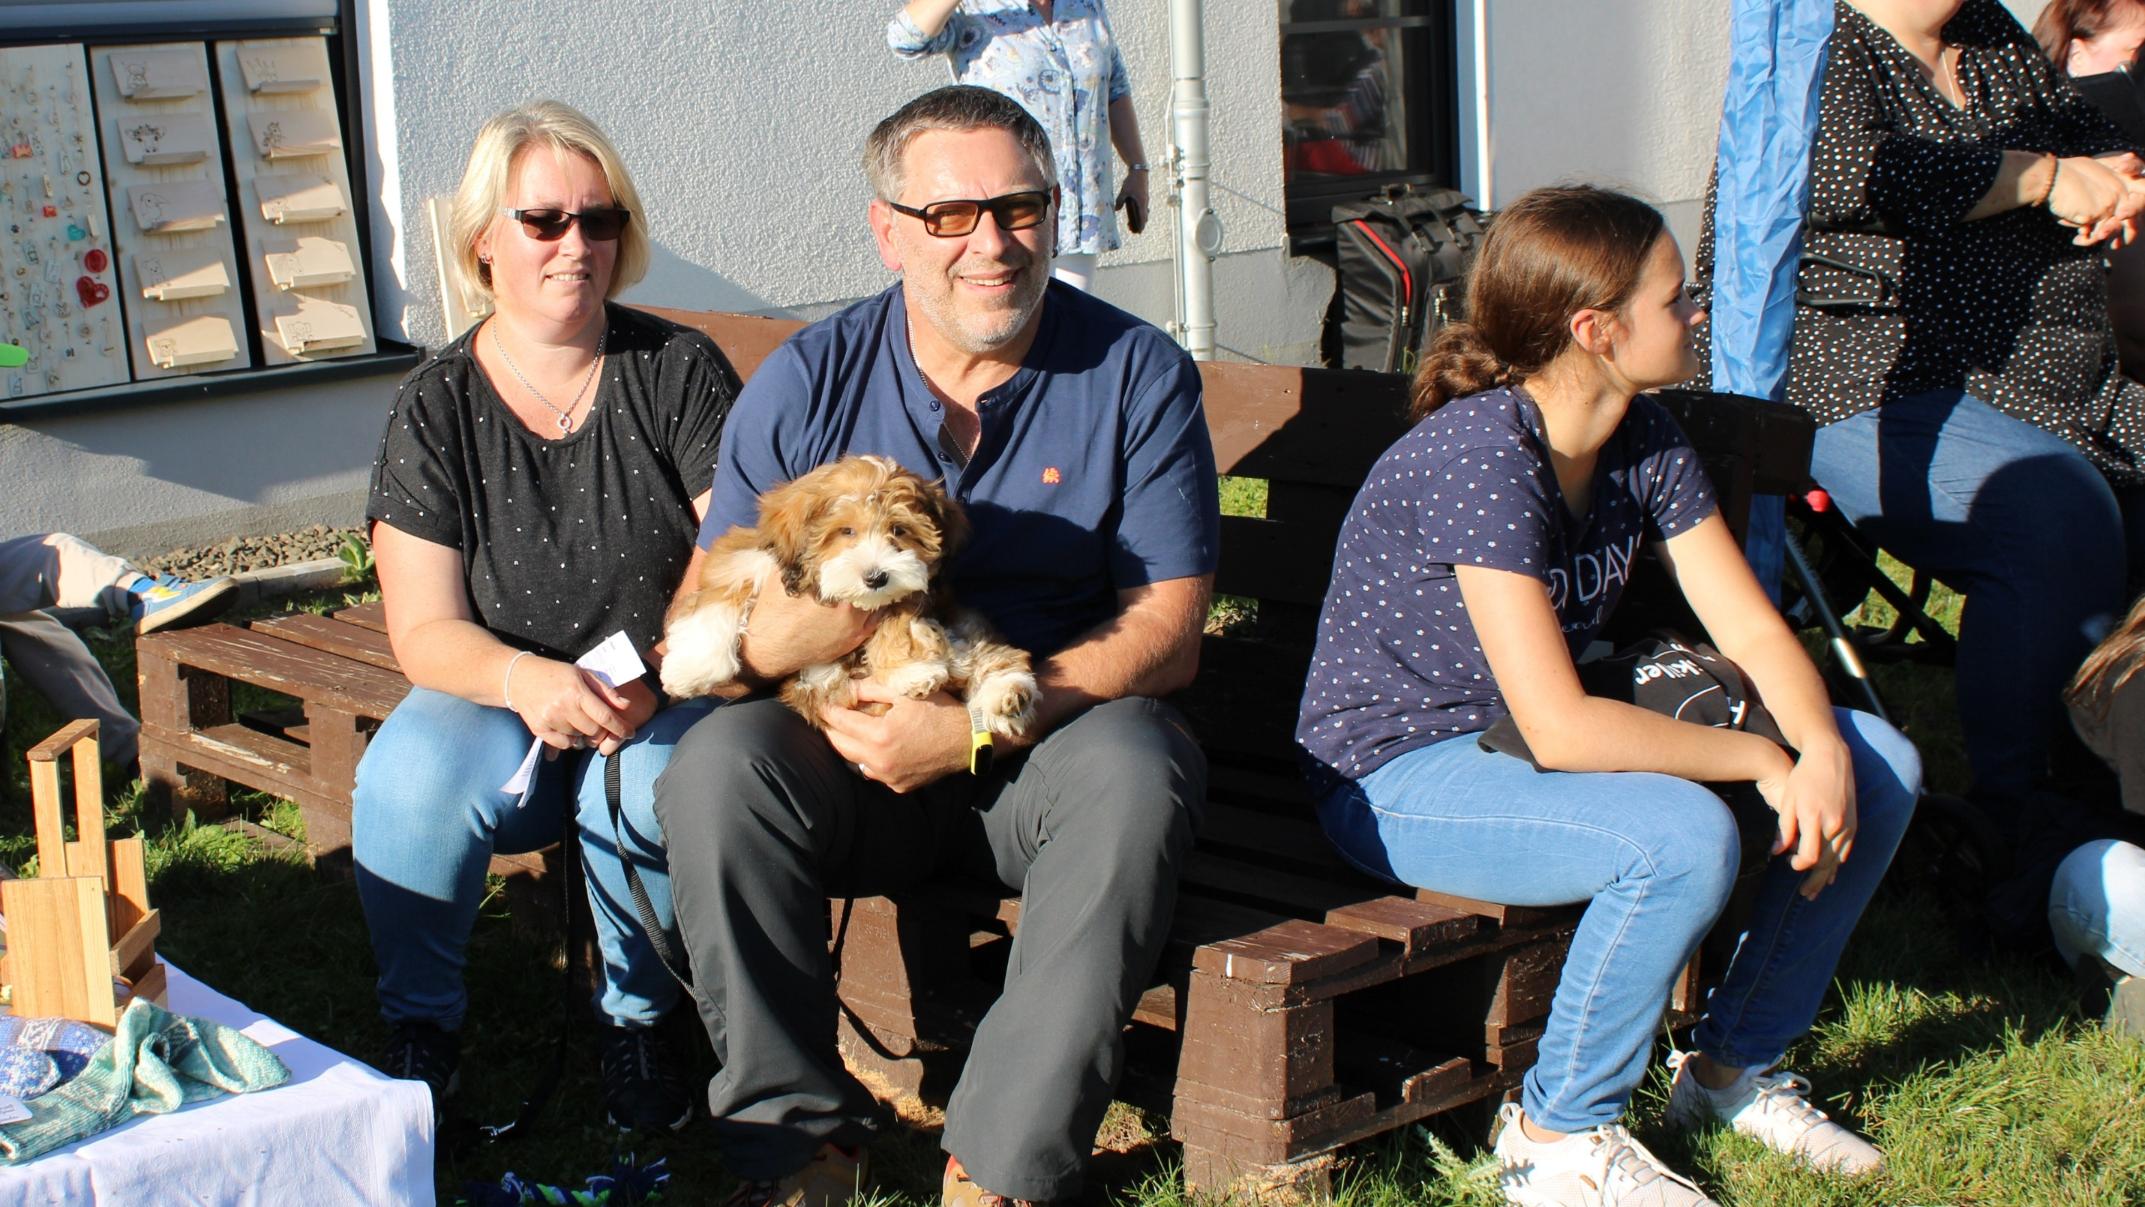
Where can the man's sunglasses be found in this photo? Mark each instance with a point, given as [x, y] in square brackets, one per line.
[549, 225]
[952, 219]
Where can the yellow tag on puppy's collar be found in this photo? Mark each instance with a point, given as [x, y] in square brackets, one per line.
[980, 751]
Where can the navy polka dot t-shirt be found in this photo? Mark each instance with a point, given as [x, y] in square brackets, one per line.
[1397, 665]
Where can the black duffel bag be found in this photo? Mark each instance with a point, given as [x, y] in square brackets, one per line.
[1400, 274]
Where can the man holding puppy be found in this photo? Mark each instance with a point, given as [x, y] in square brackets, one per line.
[1073, 435]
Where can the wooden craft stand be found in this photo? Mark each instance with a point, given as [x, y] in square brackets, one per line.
[85, 919]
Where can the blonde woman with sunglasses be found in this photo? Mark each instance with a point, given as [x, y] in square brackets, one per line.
[537, 491]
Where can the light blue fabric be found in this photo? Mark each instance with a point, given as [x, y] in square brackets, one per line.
[155, 1063]
[1064, 72]
[1768, 125]
[1654, 857]
[428, 815]
[2096, 906]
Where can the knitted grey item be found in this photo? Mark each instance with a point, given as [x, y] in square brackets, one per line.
[156, 1062]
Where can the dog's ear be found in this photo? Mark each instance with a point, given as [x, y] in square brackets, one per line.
[786, 514]
[952, 520]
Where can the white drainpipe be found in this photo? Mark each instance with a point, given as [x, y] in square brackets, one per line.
[1198, 229]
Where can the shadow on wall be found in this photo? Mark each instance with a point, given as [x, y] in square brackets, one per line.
[673, 280]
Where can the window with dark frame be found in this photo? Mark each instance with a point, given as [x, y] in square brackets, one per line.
[1369, 98]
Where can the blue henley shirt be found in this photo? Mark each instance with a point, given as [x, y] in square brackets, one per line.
[1093, 473]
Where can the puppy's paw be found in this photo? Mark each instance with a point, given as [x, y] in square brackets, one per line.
[918, 680]
[701, 652]
[1006, 700]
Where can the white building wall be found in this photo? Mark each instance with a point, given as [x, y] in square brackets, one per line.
[741, 124]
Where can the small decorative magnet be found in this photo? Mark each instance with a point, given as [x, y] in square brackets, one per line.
[75, 231]
[82, 178]
[52, 211]
[95, 260]
[91, 292]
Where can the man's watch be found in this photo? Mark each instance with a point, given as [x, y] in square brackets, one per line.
[980, 751]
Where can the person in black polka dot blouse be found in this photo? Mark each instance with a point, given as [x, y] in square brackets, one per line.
[1480, 557]
[537, 491]
[1952, 336]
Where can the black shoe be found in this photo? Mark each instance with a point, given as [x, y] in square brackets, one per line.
[420, 1051]
[644, 1085]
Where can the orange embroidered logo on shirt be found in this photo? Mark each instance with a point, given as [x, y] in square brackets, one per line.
[1051, 476]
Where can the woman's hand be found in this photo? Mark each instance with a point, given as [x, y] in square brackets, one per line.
[1815, 799]
[1132, 199]
[568, 708]
[2096, 199]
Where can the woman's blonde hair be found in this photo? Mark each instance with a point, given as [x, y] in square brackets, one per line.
[2120, 655]
[482, 193]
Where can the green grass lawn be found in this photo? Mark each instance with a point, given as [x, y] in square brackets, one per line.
[1974, 1070]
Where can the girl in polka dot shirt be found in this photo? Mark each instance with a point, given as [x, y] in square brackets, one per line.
[1486, 547]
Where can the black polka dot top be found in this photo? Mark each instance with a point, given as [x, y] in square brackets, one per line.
[1898, 294]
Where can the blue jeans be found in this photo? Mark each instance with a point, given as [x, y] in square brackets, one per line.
[2097, 905]
[1654, 857]
[428, 816]
[2017, 521]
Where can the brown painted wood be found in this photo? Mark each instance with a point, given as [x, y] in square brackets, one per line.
[332, 635]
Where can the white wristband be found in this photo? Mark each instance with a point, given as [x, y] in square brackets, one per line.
[506, 681]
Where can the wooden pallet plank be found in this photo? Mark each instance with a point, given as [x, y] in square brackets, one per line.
[280, 666]
[332, 635]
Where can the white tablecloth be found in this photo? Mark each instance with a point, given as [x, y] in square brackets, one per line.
[337, 1132]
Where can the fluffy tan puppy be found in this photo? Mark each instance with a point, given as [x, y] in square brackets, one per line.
[865, 532]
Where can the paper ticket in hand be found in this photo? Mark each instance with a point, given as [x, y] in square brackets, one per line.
[614, 661]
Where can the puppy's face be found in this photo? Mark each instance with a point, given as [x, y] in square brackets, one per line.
[861, 531]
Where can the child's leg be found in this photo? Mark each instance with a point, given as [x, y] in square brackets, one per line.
[1654, 856]
[1784, 961]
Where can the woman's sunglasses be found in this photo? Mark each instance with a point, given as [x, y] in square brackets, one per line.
[952, 219]
[549, 225]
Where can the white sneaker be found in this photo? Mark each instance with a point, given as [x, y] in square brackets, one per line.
[1774, 1109]
[1603, 1167]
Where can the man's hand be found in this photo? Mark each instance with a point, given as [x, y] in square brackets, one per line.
[641, 704]
[911, 744]
[1816, 804]
[786, 633]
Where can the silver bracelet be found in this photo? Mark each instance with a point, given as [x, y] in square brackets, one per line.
[506, 681]
[1135, 167]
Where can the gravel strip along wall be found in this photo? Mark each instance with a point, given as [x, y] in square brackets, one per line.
[244, 553]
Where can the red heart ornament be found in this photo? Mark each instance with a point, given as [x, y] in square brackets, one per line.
[95, 260]
[91, 292]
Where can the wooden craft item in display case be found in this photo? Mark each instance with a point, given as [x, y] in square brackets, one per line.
[81, 936]
[298, 197]
[150, 73]
[179, 262]
[271, 68]
[181, 274]
[168, 141]
[308, 326]
[58, 293]
[294, 134]
[174, 207]
[203, 340]
[311, 260]
[301, 315]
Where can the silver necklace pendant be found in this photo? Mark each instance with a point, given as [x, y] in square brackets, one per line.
[565, 417]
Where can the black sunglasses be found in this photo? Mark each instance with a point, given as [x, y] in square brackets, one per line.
[952, 219]
[602, 224]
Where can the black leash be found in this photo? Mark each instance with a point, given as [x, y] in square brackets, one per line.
[547, 1082]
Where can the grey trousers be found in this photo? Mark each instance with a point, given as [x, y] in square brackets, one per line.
[764, 822]
[53, 569]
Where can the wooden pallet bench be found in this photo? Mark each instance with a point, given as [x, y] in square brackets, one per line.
[340, 680]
